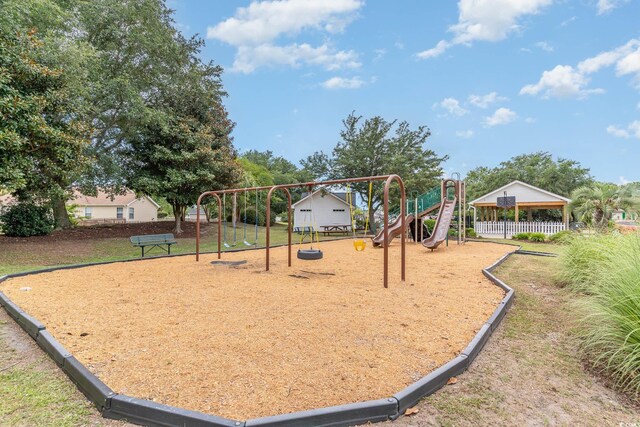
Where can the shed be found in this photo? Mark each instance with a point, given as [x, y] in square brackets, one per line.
[321, 209]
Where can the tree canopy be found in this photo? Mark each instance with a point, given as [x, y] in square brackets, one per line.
[560, 176]
[125, 77]
[595, 203]
[376, 146]
[42, 143]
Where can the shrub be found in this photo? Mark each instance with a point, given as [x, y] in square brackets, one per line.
[471, 233]
[521, 236]
[562, 237]
[26, 219]
[537, 237]
[262, 218]
[610, 322]
[430, 223]
[581, 261]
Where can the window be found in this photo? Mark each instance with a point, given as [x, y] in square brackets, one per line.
[87, 212]
[131, 213]
[119, 214]
[338, 210]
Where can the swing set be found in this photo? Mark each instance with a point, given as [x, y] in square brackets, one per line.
[234, 243]
[359, 245]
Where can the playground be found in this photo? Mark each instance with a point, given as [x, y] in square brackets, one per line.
[241, 342]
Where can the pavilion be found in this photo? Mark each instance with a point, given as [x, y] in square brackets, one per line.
[487, 215]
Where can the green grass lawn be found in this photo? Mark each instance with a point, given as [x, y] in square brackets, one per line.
[530, 246]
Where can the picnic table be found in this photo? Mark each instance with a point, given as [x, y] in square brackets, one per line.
[336, 228]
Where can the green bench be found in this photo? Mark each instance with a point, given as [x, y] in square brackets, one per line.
[154, 241]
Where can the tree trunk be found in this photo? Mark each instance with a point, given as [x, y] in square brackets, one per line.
[60, 214]
[178, 212]
[372, 222]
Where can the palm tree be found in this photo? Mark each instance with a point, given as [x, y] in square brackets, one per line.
[595, 203]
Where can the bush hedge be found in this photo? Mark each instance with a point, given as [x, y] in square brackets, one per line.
[605, 271]
[532, 237]
[26, 219]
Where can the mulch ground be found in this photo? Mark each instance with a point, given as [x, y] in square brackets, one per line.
[106, 231]
[240, 342]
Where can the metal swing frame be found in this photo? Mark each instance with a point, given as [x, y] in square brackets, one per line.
[389, 179]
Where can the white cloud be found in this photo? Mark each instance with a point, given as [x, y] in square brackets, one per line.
[545, 46]
[567, 81]
[530, 120]
[606, 6]
[609, 58]
[623, 181]
[434, 51]
[264, 21]
[632, 130]
[254, 30]
[379, 54]
[452, 106]
[616, 131]
[249, 58]
[563, 81]
[343, 83]
[482, 20]
[464, 133]
[484, 101]
[501, 116]
[399, 45]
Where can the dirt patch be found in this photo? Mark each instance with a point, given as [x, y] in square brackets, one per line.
[243, 343]
[34, 391]
[529, 373]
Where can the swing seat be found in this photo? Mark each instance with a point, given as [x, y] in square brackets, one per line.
[359, 245]
[309, 254]
[248, 244]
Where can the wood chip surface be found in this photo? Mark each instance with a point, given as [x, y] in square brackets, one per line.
[239, 342]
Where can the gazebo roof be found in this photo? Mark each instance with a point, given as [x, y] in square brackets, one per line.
[526, 194]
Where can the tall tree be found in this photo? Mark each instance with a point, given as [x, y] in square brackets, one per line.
[378, 147]
[595, 203]
[183, 145]
[42, 143]
[560, 176]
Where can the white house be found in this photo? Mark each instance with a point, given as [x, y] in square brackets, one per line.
[487, 215]
[119, 208]
[621, 215]
[321, 209]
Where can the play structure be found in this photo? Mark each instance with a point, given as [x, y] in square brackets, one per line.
[311, 253]
[445, 198]
[450, 195]
[318, 343]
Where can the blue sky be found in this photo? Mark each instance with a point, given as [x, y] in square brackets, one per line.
[490, 78]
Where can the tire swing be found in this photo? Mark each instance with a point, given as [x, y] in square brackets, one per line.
[310, 254]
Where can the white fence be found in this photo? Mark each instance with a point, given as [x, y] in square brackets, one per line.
[497, 227]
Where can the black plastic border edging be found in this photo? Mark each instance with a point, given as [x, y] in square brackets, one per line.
[342, 415]
[145, 412]
[149, 413]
